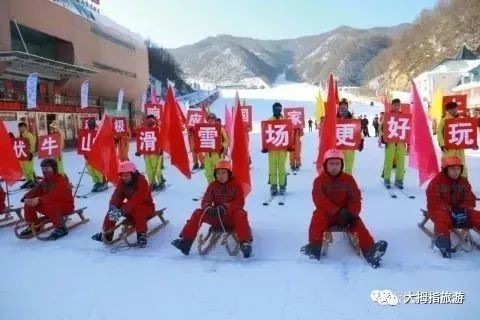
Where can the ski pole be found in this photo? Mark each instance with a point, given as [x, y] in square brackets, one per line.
[80, 180]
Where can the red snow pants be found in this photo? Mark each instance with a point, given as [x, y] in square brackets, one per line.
[139, 217]
[321, 221]
[442, 221]
[236, 221]
[54, 213]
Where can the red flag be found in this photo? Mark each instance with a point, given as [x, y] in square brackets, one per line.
[171, 135]
[328, 139]
[103, 156]
[337, 97]
[240, 153]
[10, 169]
[422, 152]
[180, 113]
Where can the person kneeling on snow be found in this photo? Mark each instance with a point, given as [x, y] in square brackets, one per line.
[222, 208]
[451, 203]
[51, 197]
[132, 199]
[337, 201]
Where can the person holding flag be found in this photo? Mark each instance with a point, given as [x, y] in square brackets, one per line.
[153, 162]
[394, 153]
[349, 155]
[99, 182]
[27, 165]
[210, 159]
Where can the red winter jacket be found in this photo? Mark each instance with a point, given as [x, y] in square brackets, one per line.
[2, 199]
[229, 195]
[330, 194]
[444, 193]
[53, 191]
[136, 193]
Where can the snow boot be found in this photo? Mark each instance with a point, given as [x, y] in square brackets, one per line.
[182, 245]
[273, 190]
[195, 167]
[292, 167]
[98, 236]
[95, 187]
[246, 249]
[375, 253]
[399, 184]
[312, 250]
[282, 190]
[102, 186]
[387, 184]
[27, 232]
[141, 240]
[153, 186]
[161, 186]
[202, 166]
[444, 244]
[58, 233]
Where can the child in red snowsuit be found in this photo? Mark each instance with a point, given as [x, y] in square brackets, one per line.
[450, 203]
[51, 197]
[337, 201]
[222, 208]
[133, 199]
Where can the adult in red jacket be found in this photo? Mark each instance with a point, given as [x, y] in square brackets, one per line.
[133, 199]
[51, 197]
[337, 201]
[222, 208]
[450, 203]
[2, 199]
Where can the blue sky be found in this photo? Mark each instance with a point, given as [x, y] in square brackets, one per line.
[173, 23]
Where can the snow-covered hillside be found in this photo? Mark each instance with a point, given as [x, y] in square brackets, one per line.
[77, 278]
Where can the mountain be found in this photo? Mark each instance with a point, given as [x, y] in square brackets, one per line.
[345, 51]
[435, 35]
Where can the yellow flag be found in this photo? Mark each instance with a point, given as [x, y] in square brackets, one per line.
[319, 107]
[436, 107]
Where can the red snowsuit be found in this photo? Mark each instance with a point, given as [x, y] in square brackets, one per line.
[229, 195]
[56, 200]
[138, 207]
[330, 194]
[2, 199]
[443, 194]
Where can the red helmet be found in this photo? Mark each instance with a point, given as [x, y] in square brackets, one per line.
[449, 161]
[332, 154]
[127, 167]
[224, 164]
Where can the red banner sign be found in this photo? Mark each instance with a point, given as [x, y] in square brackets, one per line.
[247, 116]
[397, 127]
[297, 116]
[120, 126]
[148, 141]
[348, 134]
[461, 101]
[404, 108]
[49, 146]
[21, 148]
[207, 138]
[277, 134]
[195, 117]
[154, 109]
[85, 122]
[460, 133]
[85, 141]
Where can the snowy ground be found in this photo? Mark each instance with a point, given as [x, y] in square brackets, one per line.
[77, 278]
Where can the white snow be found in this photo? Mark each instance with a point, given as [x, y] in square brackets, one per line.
[77, 278]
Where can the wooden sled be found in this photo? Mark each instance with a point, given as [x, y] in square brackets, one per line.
[466, 242]
[45, 225]
[328, 239]
[127, 228]
[10, 216]
[208, 242]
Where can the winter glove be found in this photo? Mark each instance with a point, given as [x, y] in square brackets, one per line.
[459, 217]
[114, 213]
[345, 218]
[30, 156]
[443, 149]
[360, 147]
[264, 151]
[137, 154]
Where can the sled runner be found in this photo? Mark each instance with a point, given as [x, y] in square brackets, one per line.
[10, 216]
[127, 228]
[208, 242]
[466, 242]
[328, 239]
[45, 225]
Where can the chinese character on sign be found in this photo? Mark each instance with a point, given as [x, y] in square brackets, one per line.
[85, 141]
[207, 138]
[297, 116]
[148, 141]
[120, 126]
[195, 117]
[20, 146]
[49, 146]
[397, 128]
[460, 133]
[461, 101]
[155, 111]
[246, 112]
[348, 134]
[277, 134]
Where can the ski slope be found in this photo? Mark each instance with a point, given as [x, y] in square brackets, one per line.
[77, 278]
